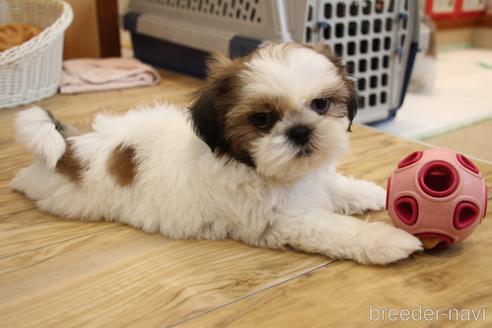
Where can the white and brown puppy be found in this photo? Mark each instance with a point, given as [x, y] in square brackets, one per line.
[253, 159]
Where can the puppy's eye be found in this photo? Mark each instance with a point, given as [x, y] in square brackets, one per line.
[320, 105]
[262, 120]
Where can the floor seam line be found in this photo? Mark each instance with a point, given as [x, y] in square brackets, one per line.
[253, 293]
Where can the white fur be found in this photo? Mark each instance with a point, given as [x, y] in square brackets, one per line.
[37, 131]
[276, 157]
[183, 190]
[301, 74]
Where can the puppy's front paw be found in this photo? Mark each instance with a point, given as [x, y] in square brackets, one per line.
[366, 196]
[375, 198]
[382, 244]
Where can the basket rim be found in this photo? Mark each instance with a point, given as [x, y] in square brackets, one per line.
[42, 40]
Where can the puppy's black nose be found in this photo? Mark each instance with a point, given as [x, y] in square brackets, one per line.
[299, 134]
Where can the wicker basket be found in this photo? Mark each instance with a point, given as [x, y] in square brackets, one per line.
[32, 70]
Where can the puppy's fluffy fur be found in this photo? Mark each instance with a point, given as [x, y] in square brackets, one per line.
[253, 159]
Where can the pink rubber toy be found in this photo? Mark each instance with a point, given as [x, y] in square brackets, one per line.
[437, 195]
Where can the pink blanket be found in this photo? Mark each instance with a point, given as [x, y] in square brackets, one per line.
[85, 75]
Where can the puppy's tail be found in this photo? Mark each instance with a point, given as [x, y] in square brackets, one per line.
[42, 134]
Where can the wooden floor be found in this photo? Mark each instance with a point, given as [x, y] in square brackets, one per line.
[56, 273]
[473, 140]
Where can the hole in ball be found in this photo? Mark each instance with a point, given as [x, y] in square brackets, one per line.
[467, 163]
[443, 240]
[438, 179]
[410, 159]
[407, 210]
[465, 214]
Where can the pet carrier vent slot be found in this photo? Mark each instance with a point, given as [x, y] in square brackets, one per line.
[340, 9]
[328, 10]
[245, 10]
[366, 34]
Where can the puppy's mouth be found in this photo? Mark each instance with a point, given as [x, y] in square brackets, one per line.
[304, 151]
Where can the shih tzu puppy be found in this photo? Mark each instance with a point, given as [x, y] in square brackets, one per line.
[252, 159]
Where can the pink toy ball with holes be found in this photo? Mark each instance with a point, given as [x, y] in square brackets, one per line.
[436, 195]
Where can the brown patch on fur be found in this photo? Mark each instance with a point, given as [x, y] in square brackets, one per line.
[122, 165]
[218, 96]
[70, 166]
[239, 128]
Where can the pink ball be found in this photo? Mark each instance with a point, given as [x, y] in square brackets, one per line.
[437, 195]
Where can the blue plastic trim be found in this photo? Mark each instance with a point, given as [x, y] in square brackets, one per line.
[170, 55]
[414, 49]
[130, 20]
[241, 46]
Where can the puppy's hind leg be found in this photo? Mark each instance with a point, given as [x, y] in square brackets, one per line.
[37, 181]
[341, 237]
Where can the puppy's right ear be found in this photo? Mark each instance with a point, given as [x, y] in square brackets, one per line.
[353, 98]
[208, 110]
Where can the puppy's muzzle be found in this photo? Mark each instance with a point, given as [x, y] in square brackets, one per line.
[299, 135]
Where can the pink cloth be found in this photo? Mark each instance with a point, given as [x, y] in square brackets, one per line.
[86, 75]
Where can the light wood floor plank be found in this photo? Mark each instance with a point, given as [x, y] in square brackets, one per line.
[64, 273]
[125, 276]
[27, 230]
[340, 295]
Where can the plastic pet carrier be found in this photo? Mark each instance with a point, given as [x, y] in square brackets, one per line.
[376, 39]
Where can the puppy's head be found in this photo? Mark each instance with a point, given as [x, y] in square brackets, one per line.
[283, 110]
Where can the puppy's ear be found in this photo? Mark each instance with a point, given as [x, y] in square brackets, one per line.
[352, 103]
[203, 114]
[217, 64]
[325, 50]
[208, 109]
[353, 98]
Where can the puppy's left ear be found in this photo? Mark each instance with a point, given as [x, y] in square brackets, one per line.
[203, 114]
[208, 109]
[353, 98]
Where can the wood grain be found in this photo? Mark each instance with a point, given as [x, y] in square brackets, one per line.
[31, 229]
[124, 276]
[57, 273]
[339, 294]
